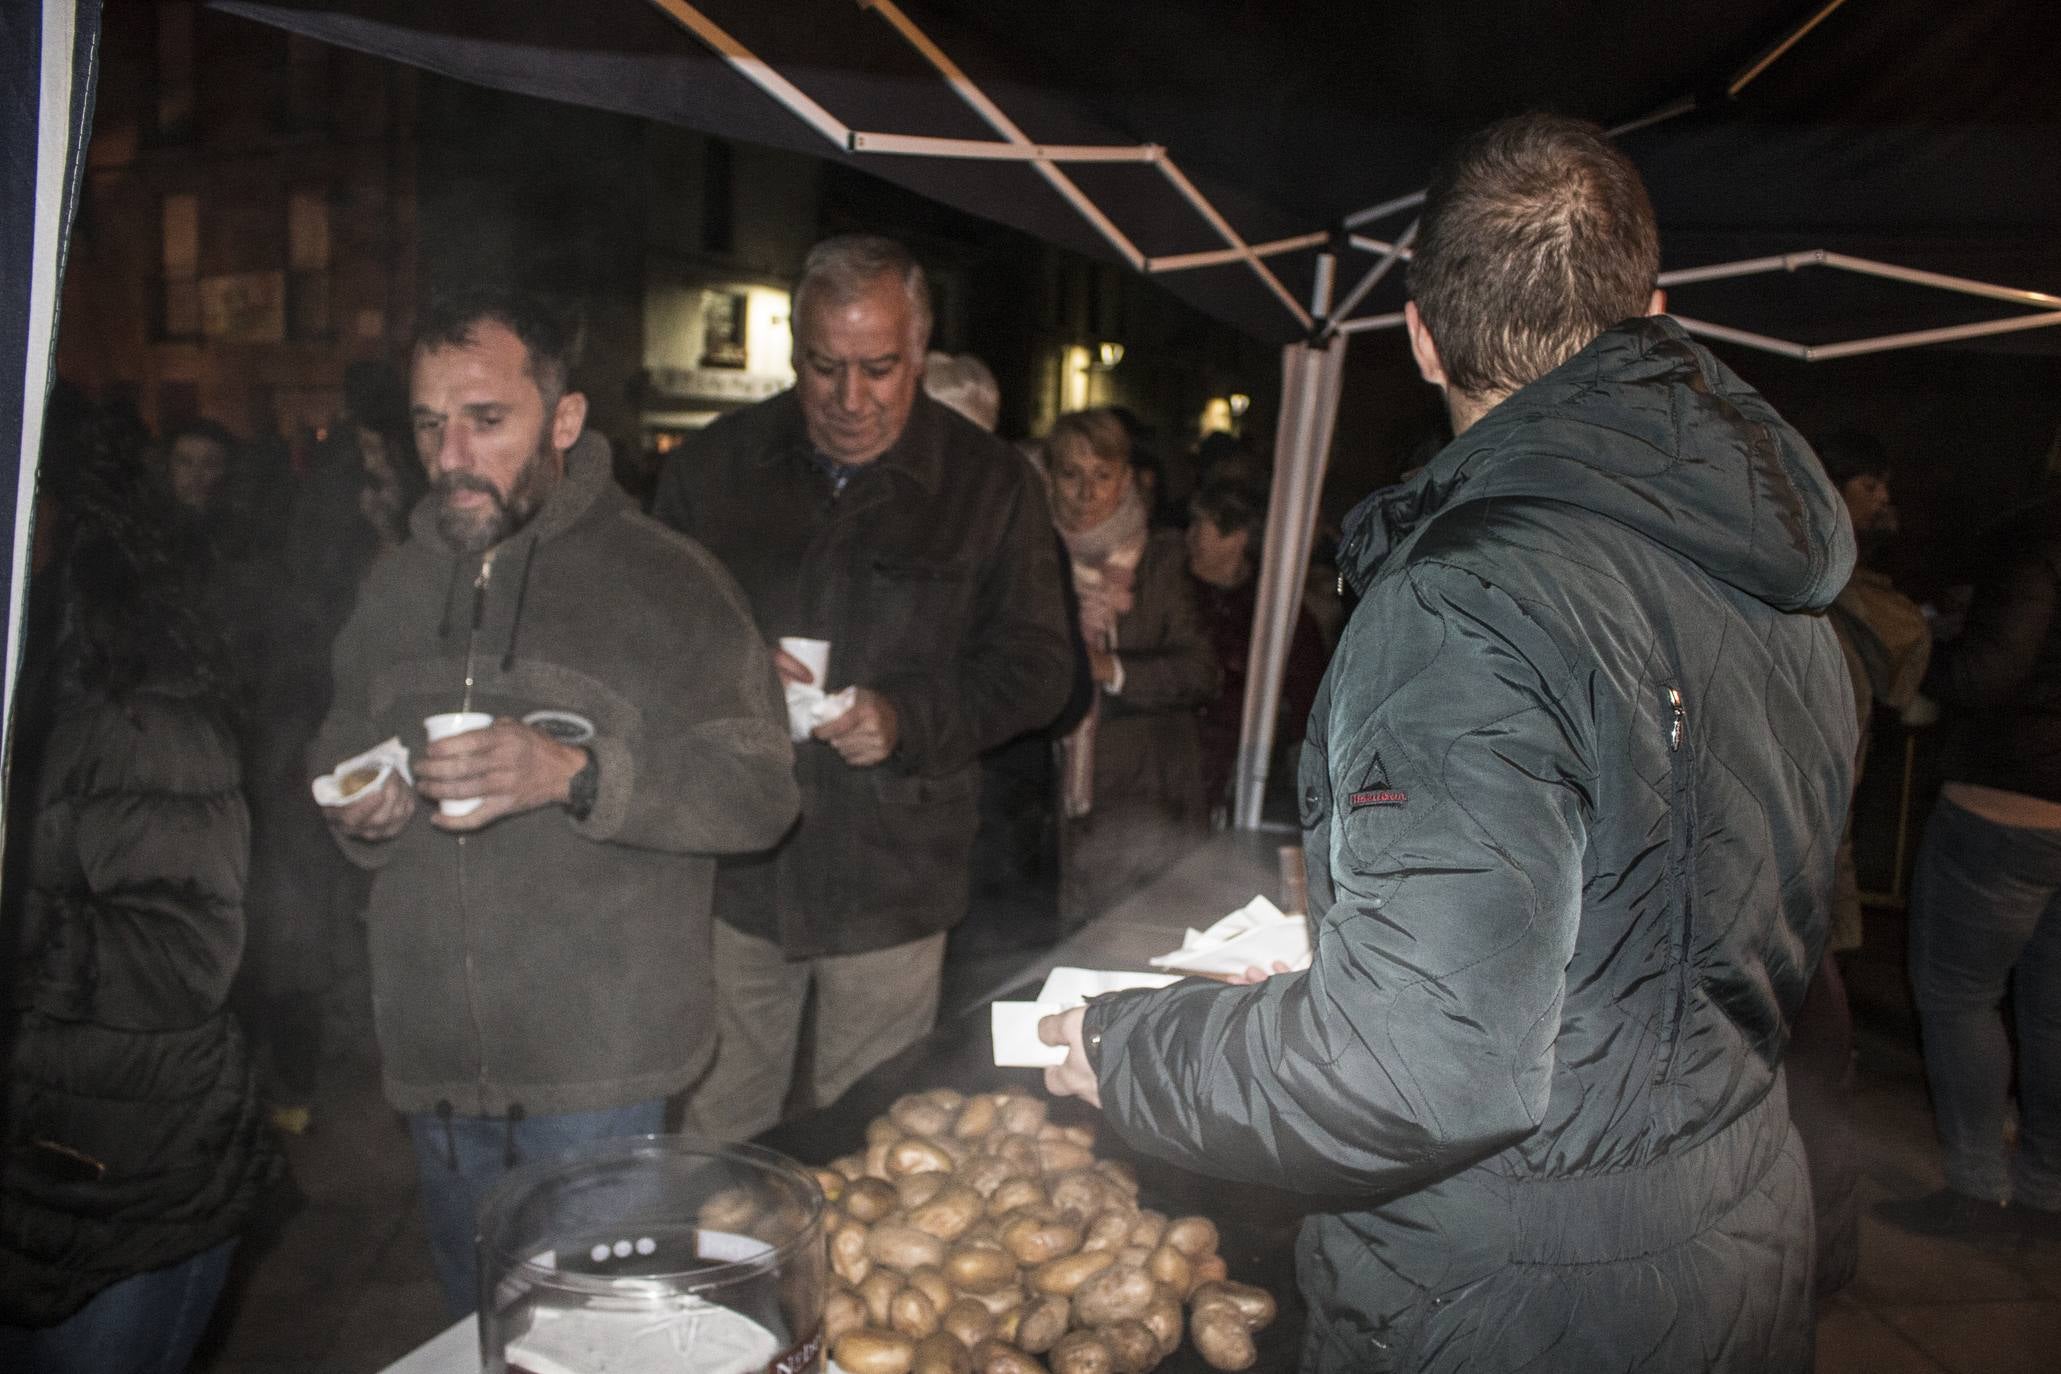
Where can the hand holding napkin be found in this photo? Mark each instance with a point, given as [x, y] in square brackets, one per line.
[1015, 1024]
[1256, 935]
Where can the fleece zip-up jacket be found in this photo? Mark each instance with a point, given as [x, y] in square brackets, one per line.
[1571, 793]
[544, 962]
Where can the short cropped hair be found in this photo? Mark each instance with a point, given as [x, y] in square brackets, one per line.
[964, 383]
[1099, 431]
[1537, 236]
[840, 269]
[450, 320]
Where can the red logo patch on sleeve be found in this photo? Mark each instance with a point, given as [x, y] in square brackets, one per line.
[1384, 797]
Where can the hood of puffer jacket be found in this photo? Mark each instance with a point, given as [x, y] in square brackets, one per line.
[1647, 429]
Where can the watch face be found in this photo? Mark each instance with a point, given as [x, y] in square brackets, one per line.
[567, 727]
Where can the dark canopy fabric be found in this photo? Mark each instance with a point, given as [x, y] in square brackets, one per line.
[1898, 129]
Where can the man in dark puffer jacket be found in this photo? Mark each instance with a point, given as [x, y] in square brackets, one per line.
[1571, 791]
[135, 1150]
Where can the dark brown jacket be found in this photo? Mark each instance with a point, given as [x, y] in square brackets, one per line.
[1147, 746]
[555, 964]
[935, 579]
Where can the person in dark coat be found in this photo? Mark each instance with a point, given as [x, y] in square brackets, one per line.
[1226, 526]
[1986, 901]
[1571, 794]
[856, 510]
[1013, 897]
[1131, 771]
[305, 896]
[135, 1150]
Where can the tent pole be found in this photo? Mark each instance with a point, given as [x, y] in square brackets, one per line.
[1366, 323]
[1374, 276]
[1310, 382]
[1885, 343]
[1217, 257]
[972, 94]
[758, 71]
[964, 86]
[54, 138]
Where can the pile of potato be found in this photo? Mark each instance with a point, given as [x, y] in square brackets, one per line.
[974, 1236]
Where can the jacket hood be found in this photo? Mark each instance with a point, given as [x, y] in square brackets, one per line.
[1643, 427]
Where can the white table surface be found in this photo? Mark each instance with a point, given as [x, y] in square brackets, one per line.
[1220, 874]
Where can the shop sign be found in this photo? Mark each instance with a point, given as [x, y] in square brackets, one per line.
[716, 384]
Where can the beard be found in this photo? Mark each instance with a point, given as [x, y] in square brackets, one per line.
[478, 530]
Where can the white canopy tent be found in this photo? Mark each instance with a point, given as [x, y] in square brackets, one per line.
[1322, 318]
[1312, 371]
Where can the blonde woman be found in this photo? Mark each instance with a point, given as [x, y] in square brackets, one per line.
[1132, 779]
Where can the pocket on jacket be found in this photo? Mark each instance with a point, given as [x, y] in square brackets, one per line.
[918, 833]
[914, 604]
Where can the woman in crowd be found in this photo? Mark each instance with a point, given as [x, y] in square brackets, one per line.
[1227, 522]
[1131, 775]
[135, 1149]
[1985, 912]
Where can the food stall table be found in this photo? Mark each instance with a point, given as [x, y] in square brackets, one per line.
[1258, 1225]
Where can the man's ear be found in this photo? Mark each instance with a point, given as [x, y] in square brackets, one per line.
[1657, 305]
[568, 418]
[1423, 347]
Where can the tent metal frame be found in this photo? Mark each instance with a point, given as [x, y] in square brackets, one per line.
[1312, 371]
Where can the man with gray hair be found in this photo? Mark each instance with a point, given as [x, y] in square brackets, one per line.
[857, 512]
[964, 383]
[1570, 795]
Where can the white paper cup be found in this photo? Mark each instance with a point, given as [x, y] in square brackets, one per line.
[444, 725]
[814, 655]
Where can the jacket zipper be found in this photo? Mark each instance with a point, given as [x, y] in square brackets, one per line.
[1681, 864]
[479, 1035]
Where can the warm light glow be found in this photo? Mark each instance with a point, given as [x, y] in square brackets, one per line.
[1216, 417]
[768, 334]
[1239, 403]
[1073, 378]
[1108, 354]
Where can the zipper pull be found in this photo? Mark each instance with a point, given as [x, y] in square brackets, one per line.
[1681, 719]
[479, 592]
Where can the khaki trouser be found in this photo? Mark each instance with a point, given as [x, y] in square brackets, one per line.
[869, 1007]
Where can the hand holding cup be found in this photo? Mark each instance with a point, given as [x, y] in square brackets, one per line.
[482, 773]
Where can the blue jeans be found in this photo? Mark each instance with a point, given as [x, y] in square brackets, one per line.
[460, 1158]
[1985, 905]
[146, 1324]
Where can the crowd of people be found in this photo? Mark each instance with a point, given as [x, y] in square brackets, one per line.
[676, 808]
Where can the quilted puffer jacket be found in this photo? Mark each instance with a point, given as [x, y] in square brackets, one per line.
[1571, 793]
[133, 1135]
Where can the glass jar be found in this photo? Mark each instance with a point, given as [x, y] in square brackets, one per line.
[653, 1254]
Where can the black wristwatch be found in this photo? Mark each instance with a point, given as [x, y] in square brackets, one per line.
[584, 788]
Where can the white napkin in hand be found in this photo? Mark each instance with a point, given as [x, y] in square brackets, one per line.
[808, 706]
[1256, 935]
[1015, 1024]
[392, 756]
